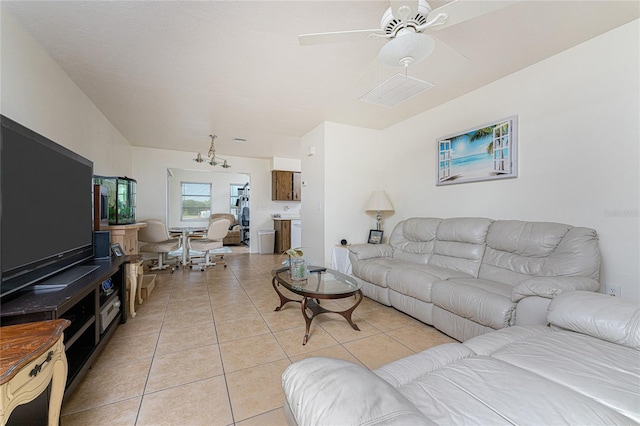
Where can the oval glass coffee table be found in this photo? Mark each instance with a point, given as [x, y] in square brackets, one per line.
[321, 283]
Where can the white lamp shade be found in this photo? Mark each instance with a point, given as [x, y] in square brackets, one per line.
[379, 201]
[406, 49]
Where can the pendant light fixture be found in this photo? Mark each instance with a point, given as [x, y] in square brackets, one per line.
[212, 159]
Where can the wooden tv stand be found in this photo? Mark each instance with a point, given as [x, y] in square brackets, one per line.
[80, 302]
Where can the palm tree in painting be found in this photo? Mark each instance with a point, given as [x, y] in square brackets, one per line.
[481, 133]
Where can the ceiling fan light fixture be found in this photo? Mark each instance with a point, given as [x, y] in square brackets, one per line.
[406, 49]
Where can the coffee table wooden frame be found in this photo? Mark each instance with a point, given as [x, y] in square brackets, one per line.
[311, 299]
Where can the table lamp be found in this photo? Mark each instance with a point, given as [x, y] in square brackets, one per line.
[379, 202]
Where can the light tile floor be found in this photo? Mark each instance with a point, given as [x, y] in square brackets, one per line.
[207, 348]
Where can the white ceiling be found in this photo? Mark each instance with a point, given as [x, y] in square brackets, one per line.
[169, 73]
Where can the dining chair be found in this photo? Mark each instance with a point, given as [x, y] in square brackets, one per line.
[156, 239]
[218, 229]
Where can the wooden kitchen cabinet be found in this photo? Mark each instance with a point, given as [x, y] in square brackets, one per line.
[297, 186]
[285, 185]
[283, 235]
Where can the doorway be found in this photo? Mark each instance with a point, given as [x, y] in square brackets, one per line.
[193, 195]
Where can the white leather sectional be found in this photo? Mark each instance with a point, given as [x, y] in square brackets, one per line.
[469, 276]
[583, 369]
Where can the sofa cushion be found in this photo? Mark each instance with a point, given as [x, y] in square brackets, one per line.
[518, 250]
[374, 271]
[484, 302]
[485, 390]
[416, 280]
[460, 244]
[570, 359]
[413, 367]
[413, 239]
[335, 381]
[231, 217]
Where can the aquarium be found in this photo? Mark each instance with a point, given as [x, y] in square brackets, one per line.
[122, 198]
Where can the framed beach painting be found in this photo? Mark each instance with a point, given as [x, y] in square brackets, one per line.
[486, 152]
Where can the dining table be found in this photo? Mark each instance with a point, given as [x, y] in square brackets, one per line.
[185, 232]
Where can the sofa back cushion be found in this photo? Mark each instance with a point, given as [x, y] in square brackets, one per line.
[232, 218]
[413, 239]
[460, 244]
[519, 250]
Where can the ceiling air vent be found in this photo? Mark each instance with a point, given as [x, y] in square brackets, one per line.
[396, 90]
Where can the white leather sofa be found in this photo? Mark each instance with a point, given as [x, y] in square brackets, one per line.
[583, 369]
[469, 276]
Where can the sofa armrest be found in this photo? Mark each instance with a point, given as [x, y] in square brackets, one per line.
[550, 287]
[332, 391]
[369, 251]
[235, 227]
[598, 315]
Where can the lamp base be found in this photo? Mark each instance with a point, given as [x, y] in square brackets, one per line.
[378, 221]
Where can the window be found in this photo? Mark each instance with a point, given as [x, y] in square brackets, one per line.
[196, 201]
[234, 198]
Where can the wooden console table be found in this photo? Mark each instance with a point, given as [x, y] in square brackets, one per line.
[31, 356]
[127, 237]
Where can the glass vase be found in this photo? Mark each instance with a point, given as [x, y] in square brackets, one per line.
[298, 269]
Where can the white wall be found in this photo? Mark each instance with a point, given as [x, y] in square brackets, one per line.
[290, 164]
[354, 155]
[150, 170]
[338, 181]
[37, 93]
[220, 193]
[313, 195]
[578, 153]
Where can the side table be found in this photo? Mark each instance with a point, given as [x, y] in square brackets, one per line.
[340, 259]
[31, 356]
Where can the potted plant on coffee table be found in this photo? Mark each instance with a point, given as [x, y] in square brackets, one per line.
[297, 265]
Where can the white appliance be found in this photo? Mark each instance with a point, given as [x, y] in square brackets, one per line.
[108, 313]
[296, 233]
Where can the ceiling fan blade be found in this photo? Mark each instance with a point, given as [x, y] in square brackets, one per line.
[399, 9]
[336, 37]
[460, 11]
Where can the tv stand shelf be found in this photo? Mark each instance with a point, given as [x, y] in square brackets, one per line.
[81, 302]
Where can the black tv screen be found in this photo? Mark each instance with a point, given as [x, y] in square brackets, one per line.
[45, 207]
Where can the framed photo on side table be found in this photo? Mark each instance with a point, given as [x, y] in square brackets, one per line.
[375, 237]
[116, 249]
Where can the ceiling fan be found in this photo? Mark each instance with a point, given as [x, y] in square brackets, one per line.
[406, 24]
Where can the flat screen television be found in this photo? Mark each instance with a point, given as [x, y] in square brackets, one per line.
[45, 207]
